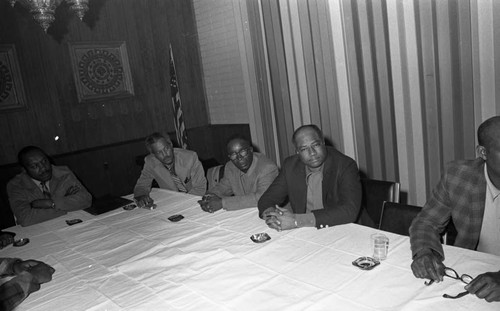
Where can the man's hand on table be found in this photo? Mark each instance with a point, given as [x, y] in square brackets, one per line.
[210, 203]
[143, 201]
[428, 265]
[279, 218]
[5, 239]
[486, 285]
[42, 272]
[20, 266]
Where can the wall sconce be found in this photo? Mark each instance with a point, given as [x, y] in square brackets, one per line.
[43, 10]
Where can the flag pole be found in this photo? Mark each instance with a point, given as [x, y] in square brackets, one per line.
[180, 128]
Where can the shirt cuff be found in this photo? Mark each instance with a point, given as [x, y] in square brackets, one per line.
[305, 220]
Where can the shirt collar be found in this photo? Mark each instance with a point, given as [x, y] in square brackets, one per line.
[492, 190]
[310, 171]
[38, 183]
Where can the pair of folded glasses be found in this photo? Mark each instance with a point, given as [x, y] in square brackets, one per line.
[449, 272]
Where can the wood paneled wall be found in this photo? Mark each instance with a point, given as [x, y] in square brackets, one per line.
[401, 86]
[147, 27]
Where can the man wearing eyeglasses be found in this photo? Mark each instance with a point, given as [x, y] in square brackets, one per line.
[469, 194]
[321, 183]
[43, 191]
[172, 168]
[246, 176]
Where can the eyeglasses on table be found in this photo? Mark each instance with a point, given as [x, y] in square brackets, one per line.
[451, 273]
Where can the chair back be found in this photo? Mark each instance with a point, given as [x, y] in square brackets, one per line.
[397, 218]
[214, 175]
[375, 193]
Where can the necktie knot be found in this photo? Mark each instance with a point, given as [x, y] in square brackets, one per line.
[45, 190]
[178, 182]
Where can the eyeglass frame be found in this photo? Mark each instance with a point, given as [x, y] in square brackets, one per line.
[241, 154]
[314, 146]
[455, 276]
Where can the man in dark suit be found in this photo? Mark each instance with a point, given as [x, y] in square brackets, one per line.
[468, 193]
[321, 184]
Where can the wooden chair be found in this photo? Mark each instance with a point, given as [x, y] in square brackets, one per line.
[375, 193]
[397, 218]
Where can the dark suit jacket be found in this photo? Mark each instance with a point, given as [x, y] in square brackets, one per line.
[341, 189]
[459, 195]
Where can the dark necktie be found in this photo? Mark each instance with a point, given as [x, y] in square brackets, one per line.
[45, 190]
[178, 183]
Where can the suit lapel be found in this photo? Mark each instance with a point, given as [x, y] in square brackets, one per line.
[327, 176]
[477, 208]
[164, 178]
[301, 187]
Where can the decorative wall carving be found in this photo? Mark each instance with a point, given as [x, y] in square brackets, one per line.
[11, 84]
[101, 71]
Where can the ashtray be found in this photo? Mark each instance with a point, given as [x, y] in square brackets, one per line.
[21, 242]
[260, 237]
[365, 263]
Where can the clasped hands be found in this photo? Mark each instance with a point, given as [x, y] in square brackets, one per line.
[210, 203]
[428, 265]
[279, 218]
[41, 272]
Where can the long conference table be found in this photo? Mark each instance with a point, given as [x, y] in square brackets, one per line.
[139, 260]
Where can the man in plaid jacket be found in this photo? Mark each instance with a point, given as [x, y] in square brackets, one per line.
[468, 193]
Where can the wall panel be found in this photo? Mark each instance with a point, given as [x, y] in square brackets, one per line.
[401, 86]
[147, 27]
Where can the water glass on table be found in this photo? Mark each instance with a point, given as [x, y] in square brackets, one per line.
[380, 246]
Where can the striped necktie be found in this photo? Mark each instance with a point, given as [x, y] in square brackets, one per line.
[178, 183]
[45, 190]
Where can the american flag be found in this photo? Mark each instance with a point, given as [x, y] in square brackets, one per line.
[180, 128]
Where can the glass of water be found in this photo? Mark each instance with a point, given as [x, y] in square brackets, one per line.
[380, 246]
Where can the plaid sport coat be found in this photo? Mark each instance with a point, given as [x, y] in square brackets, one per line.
[459, 195]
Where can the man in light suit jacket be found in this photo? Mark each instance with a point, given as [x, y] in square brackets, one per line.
[246, 176]
[172, 168]
[468, 194]
[321, 184]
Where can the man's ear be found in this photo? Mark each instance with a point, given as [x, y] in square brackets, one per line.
[481, 152]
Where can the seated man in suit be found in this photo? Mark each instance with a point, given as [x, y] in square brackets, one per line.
[468, 194]
[172, 168]
[28, 275]
[43, 191]
[321, 184]
[246, 177]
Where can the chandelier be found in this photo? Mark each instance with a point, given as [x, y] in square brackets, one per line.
[43, 10]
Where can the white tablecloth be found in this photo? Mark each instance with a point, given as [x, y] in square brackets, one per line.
[139, 260]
